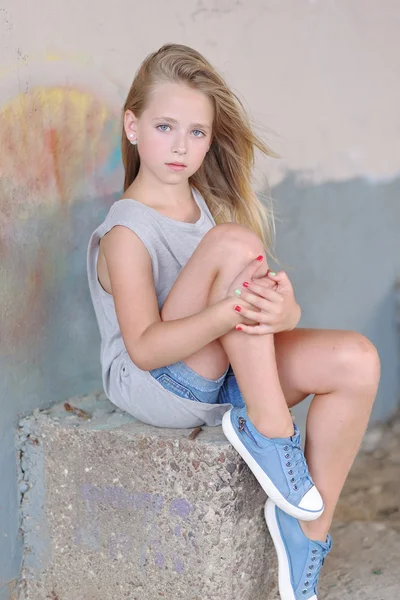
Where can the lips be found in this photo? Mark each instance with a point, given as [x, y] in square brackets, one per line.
[176, 164]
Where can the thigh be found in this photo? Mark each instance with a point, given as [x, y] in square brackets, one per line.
[316, 361]
[228, 247]
[305, 360]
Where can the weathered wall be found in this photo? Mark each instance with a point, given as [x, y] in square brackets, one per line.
[321, 75]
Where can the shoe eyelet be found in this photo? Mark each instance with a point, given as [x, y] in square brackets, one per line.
[288, 464]
[311, 567]
[295, 488]
[306, 583]
[287, 455]
[304, 591]
[286, 448]
[290, 472]
[313, 558]
[314, 551]
[292, 480]
[309, 574]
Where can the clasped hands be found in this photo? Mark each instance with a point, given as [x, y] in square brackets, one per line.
[268, 301]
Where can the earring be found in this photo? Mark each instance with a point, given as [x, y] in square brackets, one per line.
[133, 142]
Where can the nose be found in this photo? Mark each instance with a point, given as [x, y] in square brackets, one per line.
[179, 146]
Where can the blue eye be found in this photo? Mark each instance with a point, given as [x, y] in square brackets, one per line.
[198, 131]
[158, 127]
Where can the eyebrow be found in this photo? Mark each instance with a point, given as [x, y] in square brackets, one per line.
[171, 120]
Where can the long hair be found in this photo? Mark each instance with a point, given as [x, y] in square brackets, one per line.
[224, 177]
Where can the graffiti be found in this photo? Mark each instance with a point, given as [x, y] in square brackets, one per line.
[118, 497]
[60, 154]
[90, 530]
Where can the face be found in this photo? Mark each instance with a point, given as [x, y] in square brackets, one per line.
[176, 127]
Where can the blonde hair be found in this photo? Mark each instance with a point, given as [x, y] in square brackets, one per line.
[224, 178]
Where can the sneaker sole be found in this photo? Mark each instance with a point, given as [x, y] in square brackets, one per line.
[285, 587]
[268, 486]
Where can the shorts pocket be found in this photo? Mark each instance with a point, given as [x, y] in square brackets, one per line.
[176, 387]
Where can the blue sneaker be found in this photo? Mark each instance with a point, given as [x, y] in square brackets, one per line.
[299, 558]
[278, 464]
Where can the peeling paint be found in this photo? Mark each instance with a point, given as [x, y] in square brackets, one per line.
[31, 485]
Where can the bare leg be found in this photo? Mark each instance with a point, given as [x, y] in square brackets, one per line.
[254, 364]
[342, 369]
[220, 257]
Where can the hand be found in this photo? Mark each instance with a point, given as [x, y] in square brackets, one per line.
[254, 269]
[273, 295]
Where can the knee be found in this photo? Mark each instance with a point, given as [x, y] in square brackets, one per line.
[233, 239]
[360, 361]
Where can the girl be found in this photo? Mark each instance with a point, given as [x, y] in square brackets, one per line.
[195, 328]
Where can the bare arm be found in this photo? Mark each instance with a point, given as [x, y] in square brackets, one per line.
[151, 342]
[167, 342]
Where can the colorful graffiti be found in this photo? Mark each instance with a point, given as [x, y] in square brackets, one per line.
[60, 151]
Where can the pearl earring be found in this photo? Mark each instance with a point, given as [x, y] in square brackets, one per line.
[133, 142]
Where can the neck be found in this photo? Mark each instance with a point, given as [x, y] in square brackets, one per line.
[147, 188]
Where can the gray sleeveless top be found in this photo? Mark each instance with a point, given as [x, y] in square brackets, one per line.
[170, 244]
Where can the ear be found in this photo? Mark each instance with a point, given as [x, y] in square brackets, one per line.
[130, 125]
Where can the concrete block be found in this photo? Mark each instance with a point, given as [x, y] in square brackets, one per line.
[114, 509]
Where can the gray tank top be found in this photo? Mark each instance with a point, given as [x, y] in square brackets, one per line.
[170, 244]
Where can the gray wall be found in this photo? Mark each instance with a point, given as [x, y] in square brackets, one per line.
[323, 76]
[340, 245]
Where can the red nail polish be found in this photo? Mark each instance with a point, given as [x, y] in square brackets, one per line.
[237, 308]
[238, 328]
[260, 257]
[246, 284]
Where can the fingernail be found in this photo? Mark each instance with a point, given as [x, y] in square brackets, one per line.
[246, 284]
[237, 308]
[238, 292]
[272, 273]
[260, 257]
[239, 328]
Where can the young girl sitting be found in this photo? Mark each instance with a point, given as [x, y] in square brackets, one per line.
[197, 330]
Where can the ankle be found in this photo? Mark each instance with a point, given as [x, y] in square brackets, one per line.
[272, 428]
[315, 530]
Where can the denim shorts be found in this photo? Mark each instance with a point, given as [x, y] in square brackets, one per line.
[182, 381]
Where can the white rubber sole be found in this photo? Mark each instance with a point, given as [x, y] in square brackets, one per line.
[285, 587]
[268, 486]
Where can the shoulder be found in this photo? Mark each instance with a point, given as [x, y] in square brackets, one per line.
[129, 206]
[130, 213]
[130, 225]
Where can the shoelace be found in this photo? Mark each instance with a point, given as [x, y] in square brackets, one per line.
[295, 460]
[318, 555]
[296, 465]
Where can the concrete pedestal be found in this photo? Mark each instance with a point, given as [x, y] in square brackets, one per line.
[113, 509]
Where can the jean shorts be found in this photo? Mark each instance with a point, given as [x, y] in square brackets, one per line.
[182, 381]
